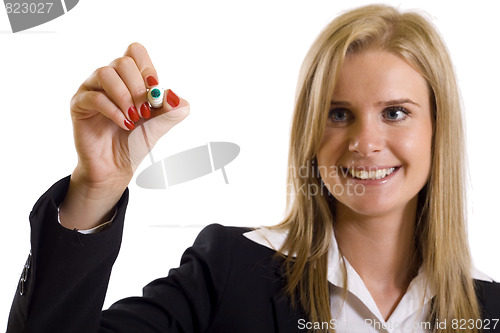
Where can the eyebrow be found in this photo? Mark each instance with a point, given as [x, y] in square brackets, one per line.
[391, 102]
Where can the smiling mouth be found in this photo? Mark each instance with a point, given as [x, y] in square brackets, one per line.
[370, 174]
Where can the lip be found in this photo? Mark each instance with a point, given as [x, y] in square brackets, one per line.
[347, 175]
[369, 167]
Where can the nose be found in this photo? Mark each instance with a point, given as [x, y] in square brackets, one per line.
[366, 138]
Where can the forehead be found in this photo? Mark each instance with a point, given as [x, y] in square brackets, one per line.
[378, 74]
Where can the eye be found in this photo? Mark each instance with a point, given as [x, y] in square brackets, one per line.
[340, 115]
[396, 114]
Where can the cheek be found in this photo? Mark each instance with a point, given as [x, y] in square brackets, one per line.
[331, 148]
[415, 149]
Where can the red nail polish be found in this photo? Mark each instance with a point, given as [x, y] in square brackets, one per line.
[145, 110]
[151, 81]
[133, 114]
[130, 125]
[172, 99]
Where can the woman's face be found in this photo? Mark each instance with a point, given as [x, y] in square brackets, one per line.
[375, 154]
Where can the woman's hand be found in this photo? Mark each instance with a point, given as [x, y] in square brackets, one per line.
[114, 128]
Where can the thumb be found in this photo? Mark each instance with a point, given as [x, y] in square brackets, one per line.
[166, 117]
[143, 138]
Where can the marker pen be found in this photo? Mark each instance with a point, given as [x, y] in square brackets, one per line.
[155, 97]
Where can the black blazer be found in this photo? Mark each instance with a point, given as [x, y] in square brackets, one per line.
[225, 283]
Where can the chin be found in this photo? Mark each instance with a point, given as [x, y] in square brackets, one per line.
[369, 206]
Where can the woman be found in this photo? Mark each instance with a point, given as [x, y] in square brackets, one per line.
[374, 237]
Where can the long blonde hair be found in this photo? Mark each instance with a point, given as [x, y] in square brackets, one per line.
[440, 232]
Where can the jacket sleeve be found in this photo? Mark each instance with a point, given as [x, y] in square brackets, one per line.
[187, 299]
[66, 282]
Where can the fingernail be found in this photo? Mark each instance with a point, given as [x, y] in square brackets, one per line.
[133, 114]
[145, 110]
[130, 125]
[151, 81]
[172, 99]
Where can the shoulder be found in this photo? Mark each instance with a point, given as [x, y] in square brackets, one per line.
[216, 238]
[217, 232]
[488, 293]
[231, 261]
[229, 250]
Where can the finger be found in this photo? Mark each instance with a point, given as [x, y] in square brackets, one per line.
[170, 101]
[141, 57]
[98, 101]
[108, 80]
[142, 140]
[128, 71]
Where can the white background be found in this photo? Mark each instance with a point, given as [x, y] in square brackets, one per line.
[237, 64]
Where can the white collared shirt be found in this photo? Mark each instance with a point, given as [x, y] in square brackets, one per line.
[359, 312]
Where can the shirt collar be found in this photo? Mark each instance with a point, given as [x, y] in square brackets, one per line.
[416, 296]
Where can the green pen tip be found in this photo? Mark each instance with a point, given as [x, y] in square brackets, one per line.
[155, 93]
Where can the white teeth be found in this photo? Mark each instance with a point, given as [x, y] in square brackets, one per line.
[372, 174]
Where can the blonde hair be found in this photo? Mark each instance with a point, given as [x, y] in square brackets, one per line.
[440, 231]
